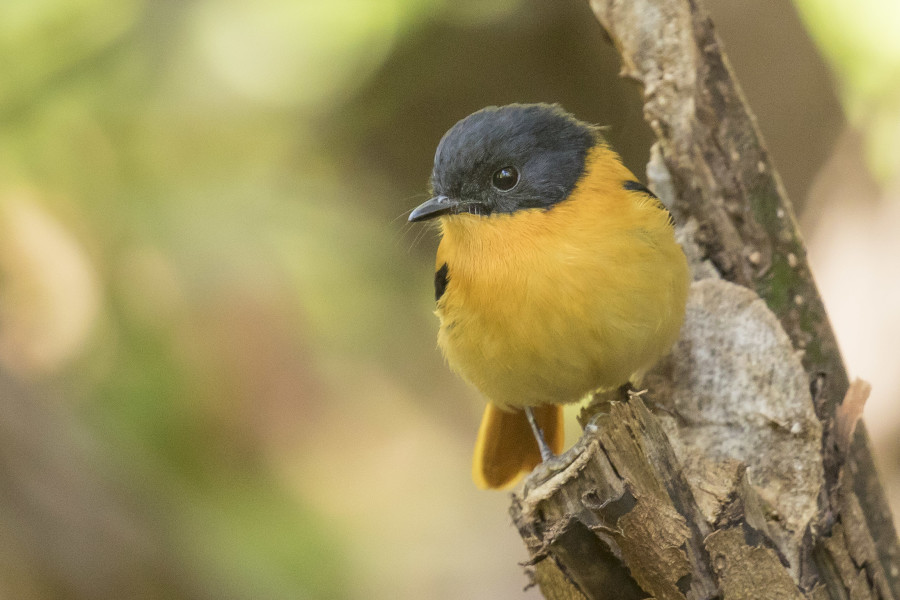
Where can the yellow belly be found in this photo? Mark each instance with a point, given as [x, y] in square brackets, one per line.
[546, 306]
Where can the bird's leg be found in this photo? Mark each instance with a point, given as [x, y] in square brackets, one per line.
[546, 452]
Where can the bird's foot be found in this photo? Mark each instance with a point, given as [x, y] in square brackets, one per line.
[546, 452]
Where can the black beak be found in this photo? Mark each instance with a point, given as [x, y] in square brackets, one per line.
[435, 207]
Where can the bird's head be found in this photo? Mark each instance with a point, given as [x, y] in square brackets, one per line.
[509, 158]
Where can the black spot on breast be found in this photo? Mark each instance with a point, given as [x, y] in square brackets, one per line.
[440, 281]
[637, 186]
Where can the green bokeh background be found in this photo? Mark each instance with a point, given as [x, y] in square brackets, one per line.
[218, 374]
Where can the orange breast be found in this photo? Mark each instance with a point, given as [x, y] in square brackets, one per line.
[544, 306]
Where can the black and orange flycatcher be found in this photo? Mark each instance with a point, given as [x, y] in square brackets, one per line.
[557, 274]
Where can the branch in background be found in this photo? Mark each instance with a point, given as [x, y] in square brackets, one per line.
[742, 485]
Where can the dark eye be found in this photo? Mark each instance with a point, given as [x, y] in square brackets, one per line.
[505, 179]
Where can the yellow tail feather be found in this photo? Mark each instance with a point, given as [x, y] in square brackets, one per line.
[506, 447]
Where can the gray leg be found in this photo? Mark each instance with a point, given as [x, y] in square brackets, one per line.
[546, 452]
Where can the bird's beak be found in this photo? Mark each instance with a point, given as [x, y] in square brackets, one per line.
[435, 207]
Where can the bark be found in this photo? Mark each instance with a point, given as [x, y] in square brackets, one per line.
[741, 473]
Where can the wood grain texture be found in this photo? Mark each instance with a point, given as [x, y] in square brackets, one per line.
[735, 484]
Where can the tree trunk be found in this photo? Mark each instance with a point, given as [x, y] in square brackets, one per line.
[741, 473]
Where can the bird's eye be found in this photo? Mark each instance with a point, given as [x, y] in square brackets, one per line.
[505, 179]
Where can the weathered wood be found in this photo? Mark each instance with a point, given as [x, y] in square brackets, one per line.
[729, 468]
[740, 484]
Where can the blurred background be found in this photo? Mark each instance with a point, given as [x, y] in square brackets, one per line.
[218, 371]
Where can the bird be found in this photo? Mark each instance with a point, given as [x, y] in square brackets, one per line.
[557, 275]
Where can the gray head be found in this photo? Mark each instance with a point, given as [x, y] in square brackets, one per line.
[508, 158]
